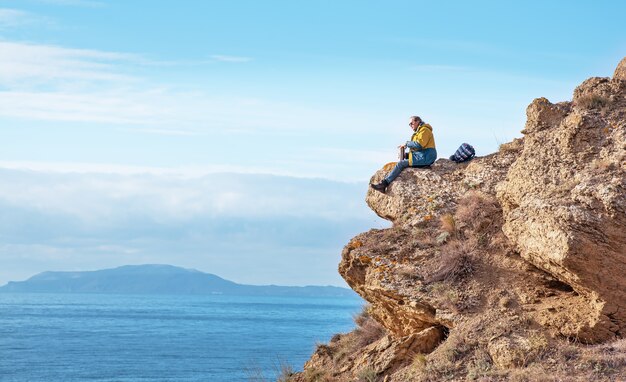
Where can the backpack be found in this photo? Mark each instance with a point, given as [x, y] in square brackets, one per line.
[464, 153]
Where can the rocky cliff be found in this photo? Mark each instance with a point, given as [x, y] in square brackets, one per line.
[509, 267]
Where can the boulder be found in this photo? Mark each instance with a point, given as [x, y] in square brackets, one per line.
[564, 198]
[620, 71]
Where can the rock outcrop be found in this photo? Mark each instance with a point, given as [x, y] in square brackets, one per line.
[502, 266]
[564, 199]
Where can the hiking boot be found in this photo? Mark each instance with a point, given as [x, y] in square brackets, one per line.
[381, 187]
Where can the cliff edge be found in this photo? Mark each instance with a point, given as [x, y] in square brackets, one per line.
[508, 267]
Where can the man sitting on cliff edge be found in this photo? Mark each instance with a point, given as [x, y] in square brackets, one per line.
[422, 154]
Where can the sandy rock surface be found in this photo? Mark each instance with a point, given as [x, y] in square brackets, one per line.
[564, 198]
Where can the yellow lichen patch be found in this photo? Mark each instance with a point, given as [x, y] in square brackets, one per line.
[364, 259]
[354, 244]
[389, 166]
[428, 217]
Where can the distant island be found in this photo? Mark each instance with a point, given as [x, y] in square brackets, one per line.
[159, 279]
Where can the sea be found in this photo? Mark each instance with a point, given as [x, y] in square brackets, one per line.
[98, 337]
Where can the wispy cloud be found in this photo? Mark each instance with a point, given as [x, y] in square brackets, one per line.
[30, 65]
[14, 18]
[75, 3]
[110, 107]
[224, 58]
[52, 83]
[165, 111]
[11, 17]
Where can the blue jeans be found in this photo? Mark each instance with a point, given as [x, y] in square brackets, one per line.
[401, 165]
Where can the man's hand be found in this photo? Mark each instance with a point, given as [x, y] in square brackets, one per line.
[402, 147]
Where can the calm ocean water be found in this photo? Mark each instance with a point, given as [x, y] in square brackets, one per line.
[67, 337]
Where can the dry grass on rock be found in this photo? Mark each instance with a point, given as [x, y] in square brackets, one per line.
[592, 101]
[368, 329]
[457, 260]
[342, 350]
[477, 213]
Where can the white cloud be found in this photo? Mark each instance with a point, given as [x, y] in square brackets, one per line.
[113, 169]
[254, 228]
[171, 194]
[30, 65]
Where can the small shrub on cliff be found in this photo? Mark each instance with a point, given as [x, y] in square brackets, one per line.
[286, 373]
[407, 271]
[449, 359]
[446, 296]
[605, 360]
[592, 101]
[537, 345]
[419, 360]
[254, 373]
[456, 261]
[360, 318]
[368, 330]
[336, 338]
[316, 375]
[368, 375]
[479, 365]
[323, 349]
[477, 211]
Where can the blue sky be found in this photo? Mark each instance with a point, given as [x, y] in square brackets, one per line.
[237, 137]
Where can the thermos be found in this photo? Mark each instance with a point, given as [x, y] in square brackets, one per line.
[401, 154]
